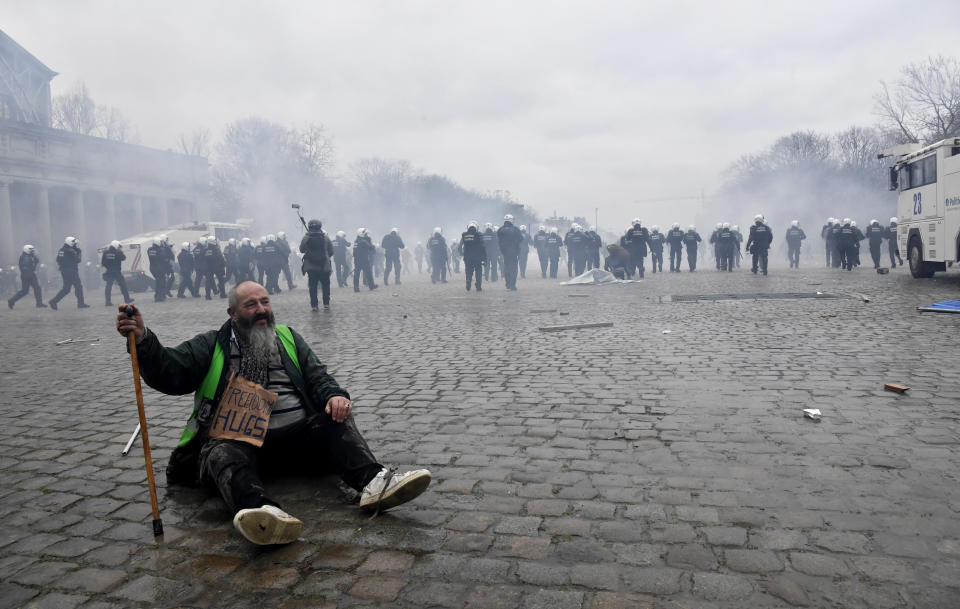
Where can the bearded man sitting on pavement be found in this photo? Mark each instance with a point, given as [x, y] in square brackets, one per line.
[307, 416]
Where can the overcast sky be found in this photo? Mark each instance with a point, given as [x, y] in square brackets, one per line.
[570, 106]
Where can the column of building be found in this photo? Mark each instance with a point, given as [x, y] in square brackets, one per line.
[8, 247]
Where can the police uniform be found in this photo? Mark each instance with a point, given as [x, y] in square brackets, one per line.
[474, 254]
[112, 261]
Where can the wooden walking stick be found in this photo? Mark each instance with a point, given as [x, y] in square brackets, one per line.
[132, 343]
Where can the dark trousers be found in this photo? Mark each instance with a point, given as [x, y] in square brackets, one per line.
[71, 280]
[579, 263]
[473, 268]
[759, 259]
[213, 281]
[393, 262]
[637, 260]
[343, 271]
[490, 267]
[875, 254]
[524, 255]
[726, 259]
[121, 283]
[656, 261]
[27, 282]
[438, 270]
[159, 285]
[849, 256]
[186, 283]
[273, 281]
[793, 253]
[894, 251]
[543, 263]
[320, 445]
[675, 258]
[554, 263]
[510, 268]
[691, 258]
[829, 253]
[367, 271]
[323, 279]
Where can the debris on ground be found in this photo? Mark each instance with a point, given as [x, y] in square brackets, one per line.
[947, 306]
[595, 277]
[604, 324]
[812, 413]
[543, 310]
[895, 387]
[70, 341]
[667, 331]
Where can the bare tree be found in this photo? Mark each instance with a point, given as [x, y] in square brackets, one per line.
[923, 105]
[313, 149]
[196, 143]
[800, 148]
[75, 111]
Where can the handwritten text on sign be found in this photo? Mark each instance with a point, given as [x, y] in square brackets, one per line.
[243, 413]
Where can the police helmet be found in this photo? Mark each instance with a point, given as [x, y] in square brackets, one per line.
[29, 249]
[185, 245]
[231, 241]
[523, 227]
[314, 225]
[436, 230]
[212, 240]
[280, 235]
[592, 228]
[893, 220]
[245, 241]
[340, 233]
[655, 228]
[508, 218]
[271, 238]
[474, 224]
[115, 244]
[395, 230]
[574, 226]
[553, 230]
[725, 225]
[488, 225]
[163, 238]
[542, 227]
[758, 218]
[875, 221]
[578, 228]
[719, 224]
[692, 227]
[360, 231]
[676, 225]
[795, 223]
[157, 241]
[635, 221]
[263, 239]
[71, 241]
[853, 223]
[846, 221]
[735, 227]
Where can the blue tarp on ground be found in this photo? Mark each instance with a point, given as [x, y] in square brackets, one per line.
[947, 306]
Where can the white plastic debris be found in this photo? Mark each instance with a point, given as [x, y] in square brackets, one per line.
[666, 331]
[812, 413]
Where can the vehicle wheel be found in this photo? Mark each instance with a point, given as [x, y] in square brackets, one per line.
[918, 268]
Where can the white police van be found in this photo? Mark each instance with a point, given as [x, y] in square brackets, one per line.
[928, 208]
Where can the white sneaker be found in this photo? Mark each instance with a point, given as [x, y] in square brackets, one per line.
[267, 525]
[387, 491]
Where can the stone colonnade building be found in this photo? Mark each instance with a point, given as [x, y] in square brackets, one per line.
[55, 184]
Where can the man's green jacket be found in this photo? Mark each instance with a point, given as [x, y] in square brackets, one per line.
[180, 370]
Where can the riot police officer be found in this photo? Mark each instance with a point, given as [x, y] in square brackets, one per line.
[437, 247]
[795, 236]
[553, 245]
[283, 246]
[637, 238]
[509, 239]
[875, 234]
[892, 246]
[230, 256]
[594, 243]
[29, 261]
[675, 241]
[112, 262]
[656, 241]
[474, 254]
[691, 238]
[726, 247]
[576, 243]
[272, 264]
[758, 244]
[342, 266]
[246, 258]
[524, 250]
[363, 249]
[715, 244]
[214, 266]
[493, 253]
[847, 241]
[68, 259]
[826, 233]
[540, 244]
[392, 244]
[188, 265]
[160, 268]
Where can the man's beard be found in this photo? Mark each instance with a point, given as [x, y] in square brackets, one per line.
[257, 346]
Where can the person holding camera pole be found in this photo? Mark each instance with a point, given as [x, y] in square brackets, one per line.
[317, 249]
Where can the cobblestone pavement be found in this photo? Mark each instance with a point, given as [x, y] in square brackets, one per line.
[625, 466]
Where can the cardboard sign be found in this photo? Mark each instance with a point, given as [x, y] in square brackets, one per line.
[243, 413]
